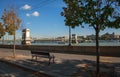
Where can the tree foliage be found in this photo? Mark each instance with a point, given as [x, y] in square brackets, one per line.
[11, 20]
[2, 30]
[97, 13]
[71, 13]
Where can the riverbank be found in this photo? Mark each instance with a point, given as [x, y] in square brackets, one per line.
[113, 51]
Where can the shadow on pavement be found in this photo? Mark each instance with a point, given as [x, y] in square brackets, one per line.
[70, 68]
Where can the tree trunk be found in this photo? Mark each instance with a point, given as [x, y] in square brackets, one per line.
[69, 36]
[97, 53]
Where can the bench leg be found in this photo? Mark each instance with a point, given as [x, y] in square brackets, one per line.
[49, 61]
[53, 57]
[32, 57]
[36, 58]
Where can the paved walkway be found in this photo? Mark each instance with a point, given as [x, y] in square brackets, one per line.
[6, 70]
[65, 64]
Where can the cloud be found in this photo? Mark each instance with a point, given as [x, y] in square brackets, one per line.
[36, 14]
[27, 14]
[26, 7]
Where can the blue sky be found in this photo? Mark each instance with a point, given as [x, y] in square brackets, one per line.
[43, 18]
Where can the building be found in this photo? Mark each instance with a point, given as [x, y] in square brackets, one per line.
[117, 37]
[63, 39]
[80, 39]
[108, 36]
[26, 40]
[90, 37]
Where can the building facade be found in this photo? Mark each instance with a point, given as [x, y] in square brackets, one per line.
[112, 36]
[26, 39]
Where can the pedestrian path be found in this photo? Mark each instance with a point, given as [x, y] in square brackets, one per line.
[7, 70]
[66, 65]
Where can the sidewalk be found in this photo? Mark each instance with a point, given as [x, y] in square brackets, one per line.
[66, 65]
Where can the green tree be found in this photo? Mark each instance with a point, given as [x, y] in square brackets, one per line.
[12, 23]
[98, 14]
[70, 14]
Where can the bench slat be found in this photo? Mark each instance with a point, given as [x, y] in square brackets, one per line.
[36, 53]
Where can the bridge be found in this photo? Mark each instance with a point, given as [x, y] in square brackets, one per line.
[48, 40]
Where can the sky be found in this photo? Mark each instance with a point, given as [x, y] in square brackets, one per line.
[43, 18]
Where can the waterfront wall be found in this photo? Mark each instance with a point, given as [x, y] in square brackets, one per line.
[85, 50]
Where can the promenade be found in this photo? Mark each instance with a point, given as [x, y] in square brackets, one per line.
[66, 65]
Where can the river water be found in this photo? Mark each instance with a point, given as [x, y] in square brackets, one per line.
[101, 43]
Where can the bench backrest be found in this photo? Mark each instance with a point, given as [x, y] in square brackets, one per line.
[37, 52]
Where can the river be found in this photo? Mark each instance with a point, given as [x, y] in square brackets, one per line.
[101, 43]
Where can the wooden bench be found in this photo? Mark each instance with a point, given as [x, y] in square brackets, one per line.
[44, 54]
